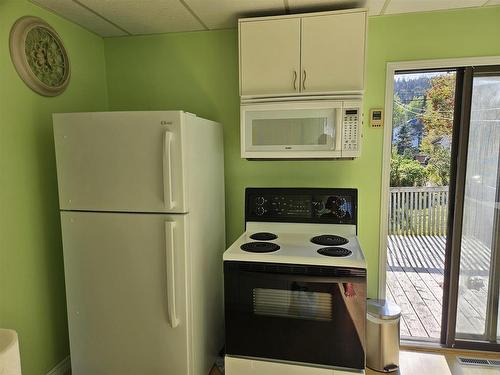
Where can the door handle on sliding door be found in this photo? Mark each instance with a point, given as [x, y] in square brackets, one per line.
[167, 170]
[170, 258]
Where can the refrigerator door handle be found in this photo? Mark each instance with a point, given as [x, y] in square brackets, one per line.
[170, 257]
[167, 171]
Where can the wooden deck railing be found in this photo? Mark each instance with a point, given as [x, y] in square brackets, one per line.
[418, 210]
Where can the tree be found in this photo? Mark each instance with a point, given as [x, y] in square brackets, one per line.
[440, 101]
[423, 124]
[411, 86]
[406, 171]
[404, 138]
[438, 127]
[438, 167]
[398, 113]
[407, 122]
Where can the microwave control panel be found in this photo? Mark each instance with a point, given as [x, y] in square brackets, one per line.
[351, 131]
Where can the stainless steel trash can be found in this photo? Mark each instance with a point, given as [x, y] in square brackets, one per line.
[382, 335]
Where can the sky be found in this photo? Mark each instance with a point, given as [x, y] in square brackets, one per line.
[408, 76]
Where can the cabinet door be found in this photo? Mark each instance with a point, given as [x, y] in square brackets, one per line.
[269, 57]
[333, 52]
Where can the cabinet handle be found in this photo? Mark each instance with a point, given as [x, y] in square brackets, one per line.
[295, 80]
[304, 81]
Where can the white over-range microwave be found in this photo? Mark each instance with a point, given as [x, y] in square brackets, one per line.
[307, 129]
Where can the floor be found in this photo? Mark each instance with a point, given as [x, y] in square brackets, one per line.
[439, 363]
[415, 268]
[427, 363]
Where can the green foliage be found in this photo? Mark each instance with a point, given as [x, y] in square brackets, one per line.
[438, 115]
[406, 171]
[438, 128]
[410, 88]
[404, 138]
[438, 167]
[399, 116]
[426, 120]
[404, 124]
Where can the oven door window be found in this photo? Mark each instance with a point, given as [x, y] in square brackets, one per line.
[291, 129]
[295, 304]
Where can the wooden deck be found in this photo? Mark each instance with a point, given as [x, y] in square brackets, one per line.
[415, 268]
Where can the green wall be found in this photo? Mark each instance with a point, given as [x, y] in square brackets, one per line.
[32, 298]
[198, 72]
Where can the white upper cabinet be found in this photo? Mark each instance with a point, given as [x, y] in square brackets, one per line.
[333, 53]
[317, 53]
[269, 57]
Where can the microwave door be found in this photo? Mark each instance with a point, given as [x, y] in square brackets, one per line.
[120, 161]
[295, 130]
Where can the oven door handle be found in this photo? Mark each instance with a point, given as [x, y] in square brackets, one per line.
[309, 279]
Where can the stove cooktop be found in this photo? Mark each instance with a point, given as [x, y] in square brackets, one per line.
[298, 243]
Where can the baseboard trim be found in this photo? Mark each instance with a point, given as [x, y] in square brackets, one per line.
[62, 368]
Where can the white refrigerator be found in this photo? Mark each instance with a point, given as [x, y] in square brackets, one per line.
[141, 196]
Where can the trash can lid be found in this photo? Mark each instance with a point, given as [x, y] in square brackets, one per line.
[383, 309]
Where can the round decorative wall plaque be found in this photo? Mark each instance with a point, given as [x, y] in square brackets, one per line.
[39, 56]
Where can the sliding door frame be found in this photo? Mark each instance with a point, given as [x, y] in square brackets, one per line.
[460, 138]
[449, 316]
[463, 124]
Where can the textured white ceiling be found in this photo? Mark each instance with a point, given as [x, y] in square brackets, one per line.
[146, 16]
[222, 14]
[76, 13]
[406, 6]
[127, 17]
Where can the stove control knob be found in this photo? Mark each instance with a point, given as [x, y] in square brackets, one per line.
[260, 211]
[260, 201]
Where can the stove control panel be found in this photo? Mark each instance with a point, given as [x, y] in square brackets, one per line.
[336, 206]
[282, 205]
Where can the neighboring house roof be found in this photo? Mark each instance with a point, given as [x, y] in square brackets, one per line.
[443, 140]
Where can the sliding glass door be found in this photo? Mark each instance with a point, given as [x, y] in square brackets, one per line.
[422, 137]
[443, 244]
[474, 266]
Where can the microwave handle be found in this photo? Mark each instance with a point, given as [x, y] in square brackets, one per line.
[309, 279]
[339, 130]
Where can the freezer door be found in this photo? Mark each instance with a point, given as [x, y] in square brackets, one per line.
[126, 293]
[121, 161]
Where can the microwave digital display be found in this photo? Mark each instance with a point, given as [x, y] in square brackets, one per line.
[351, 112]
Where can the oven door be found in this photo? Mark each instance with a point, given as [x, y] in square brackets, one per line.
[306, 314]
[291, 129]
